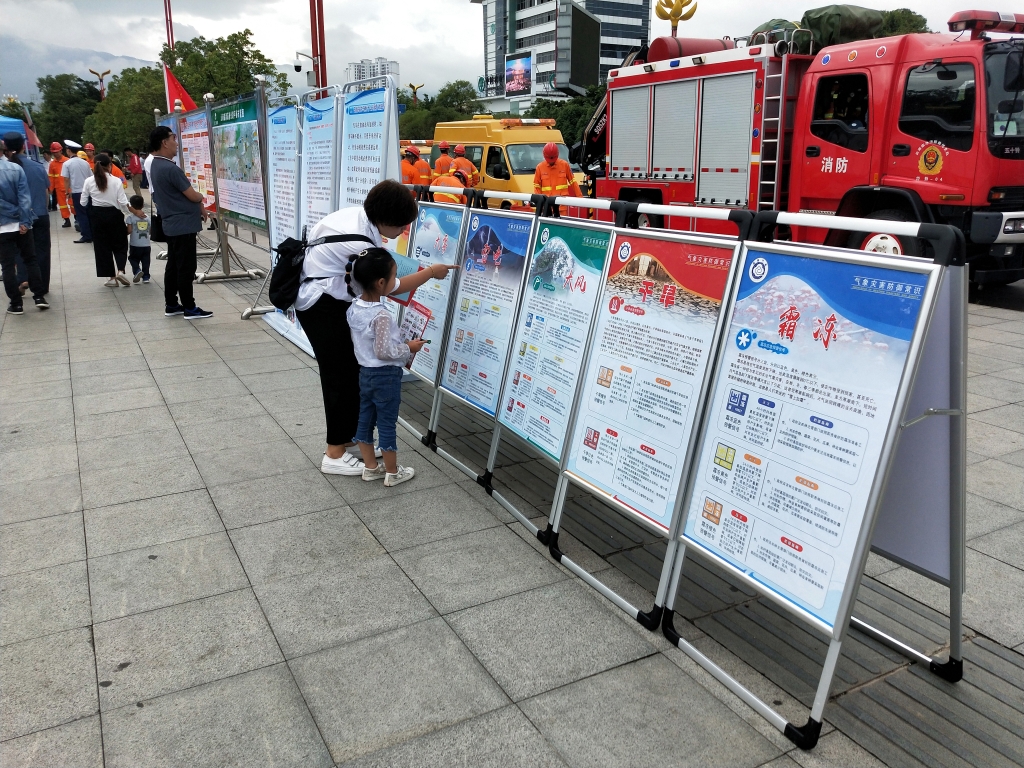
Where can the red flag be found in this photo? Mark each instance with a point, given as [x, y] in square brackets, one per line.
[175, 91]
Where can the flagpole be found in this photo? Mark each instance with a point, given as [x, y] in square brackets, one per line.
[169, 24]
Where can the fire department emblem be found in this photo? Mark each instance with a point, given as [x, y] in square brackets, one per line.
[929, 160]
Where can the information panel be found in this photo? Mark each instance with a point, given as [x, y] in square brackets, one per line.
[550, 342]
[363, 145]
[318, 159]
[649, 356]
[236, 150]
[435, 241]
[194, 141]
[283, 173]
[814, 355]
[494, 259]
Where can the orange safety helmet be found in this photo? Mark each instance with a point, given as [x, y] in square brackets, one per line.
[551, 151]
[443, 144]
[461, 176]
[55, 147]
[412, 149]
[90, 146]
[459, 150]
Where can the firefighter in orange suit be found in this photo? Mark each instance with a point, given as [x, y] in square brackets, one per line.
[57, 184]
[460, 163]
[423, 171]
[553, 176]
[443, 164]
[455, 179]
[409, 173]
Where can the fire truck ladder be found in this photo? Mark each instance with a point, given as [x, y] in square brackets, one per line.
[773, 127]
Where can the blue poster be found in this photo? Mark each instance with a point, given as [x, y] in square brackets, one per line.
[493, 261]
[814, 355]
[435, 241]
[363, 145]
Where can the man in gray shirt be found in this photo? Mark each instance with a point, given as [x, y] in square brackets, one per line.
[75, 171]
[180, 208]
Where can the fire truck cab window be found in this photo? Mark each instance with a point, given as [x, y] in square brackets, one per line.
[841, 111]
[938, 104]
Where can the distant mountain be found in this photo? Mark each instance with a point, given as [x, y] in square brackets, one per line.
[22, 61]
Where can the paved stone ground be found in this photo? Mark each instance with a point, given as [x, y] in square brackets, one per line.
[179, 585]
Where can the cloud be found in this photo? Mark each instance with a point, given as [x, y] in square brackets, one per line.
[184, 31]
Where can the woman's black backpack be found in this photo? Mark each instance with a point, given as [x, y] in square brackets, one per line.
[287, 275]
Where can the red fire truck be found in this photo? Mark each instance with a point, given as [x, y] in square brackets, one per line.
[924, 127]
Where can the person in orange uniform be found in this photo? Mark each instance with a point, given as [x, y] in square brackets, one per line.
[423, 170]
[443, 164]
[553, 177]
[460, 163]
[57, 183]
[455, 179]
[90, 155]
[409, 173]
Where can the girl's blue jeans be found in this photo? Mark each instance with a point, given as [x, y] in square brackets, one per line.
[380, 395]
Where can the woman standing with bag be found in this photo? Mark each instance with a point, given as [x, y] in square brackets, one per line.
[107, 204]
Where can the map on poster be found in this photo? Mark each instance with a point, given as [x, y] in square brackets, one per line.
[194, 141]
[435, 241]
[550, 342]
[283, 173]
[649, 355]
[236, 150]
[815, 351]
[490, 281]
[318, 148]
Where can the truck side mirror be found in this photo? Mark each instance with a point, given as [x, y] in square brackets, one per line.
[1013, 75]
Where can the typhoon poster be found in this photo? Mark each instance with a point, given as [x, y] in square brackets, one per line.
[650, 352]
[490, 281]
[814, 355]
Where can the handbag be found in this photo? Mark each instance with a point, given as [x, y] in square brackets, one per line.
[286, 276]
[156, 226]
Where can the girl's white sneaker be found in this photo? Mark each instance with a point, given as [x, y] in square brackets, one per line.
[394, 478]
[377, 473]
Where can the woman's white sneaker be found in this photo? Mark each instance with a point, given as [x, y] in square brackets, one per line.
[394, 478]
[346, 465]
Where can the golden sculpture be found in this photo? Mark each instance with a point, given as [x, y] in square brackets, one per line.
[675, 11]
[415, 91]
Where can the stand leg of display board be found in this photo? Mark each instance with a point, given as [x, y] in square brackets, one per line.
[432, 436]
[488, 475]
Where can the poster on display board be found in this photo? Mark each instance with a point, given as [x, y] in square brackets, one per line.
[550, 342]
[171, 122]
[435, 241]
[236, 152]
[649, 358]
[813, 359]
[194, 142]
[494, 259]
[318, 160]
[369, 143]
[283, 173]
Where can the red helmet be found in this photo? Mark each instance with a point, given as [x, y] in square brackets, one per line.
[443, 144]
[412, 149]
[460, 150]
[550, 151]
[90, 146]
[55, 147]
[461, 176]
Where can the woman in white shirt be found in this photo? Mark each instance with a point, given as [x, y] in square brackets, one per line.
[107, 204]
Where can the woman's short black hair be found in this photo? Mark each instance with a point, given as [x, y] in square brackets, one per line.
[390, 204]
[369, 266]
[157, 136]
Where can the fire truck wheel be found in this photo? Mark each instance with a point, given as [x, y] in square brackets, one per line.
[505, 205]
[645, 220]
[881, 242]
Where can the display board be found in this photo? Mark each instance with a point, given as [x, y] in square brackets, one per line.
[236, 153]
[368, 157]
[649, 357]
[319, 147]
[283, 173]
[171, 121]
[552, 330]
[817, 351]
[435, 241]
[194, 142]
[493, 261]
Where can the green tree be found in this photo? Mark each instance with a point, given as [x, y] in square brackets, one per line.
[125, 117]
[67, 101]
[572, 115]
[902, 21]
[455, 101]
[225, 67]
[459, 96]
[12, 106]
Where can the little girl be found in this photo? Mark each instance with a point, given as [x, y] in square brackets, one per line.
[381, 354]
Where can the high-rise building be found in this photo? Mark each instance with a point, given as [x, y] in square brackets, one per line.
[371, 68]
[511, 26]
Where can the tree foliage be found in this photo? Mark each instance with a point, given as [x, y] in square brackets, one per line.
[11, 106]
[455, 101]
[125, 117]
[571, 116]
[225, 67]
[902, 21]
[67, 100]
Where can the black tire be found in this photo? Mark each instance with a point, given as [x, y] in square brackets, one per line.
[505, 205]
[910, 246]
[645, 220]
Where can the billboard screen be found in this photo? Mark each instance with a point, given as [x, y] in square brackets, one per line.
[519, 74]
[585, 56]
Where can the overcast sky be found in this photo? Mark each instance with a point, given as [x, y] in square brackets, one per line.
[434, 41]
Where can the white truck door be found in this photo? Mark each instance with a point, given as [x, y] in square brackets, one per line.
[675, 131]
[630, 131]
[727, 106]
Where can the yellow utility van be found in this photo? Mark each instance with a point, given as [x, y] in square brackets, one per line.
[506, 152]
